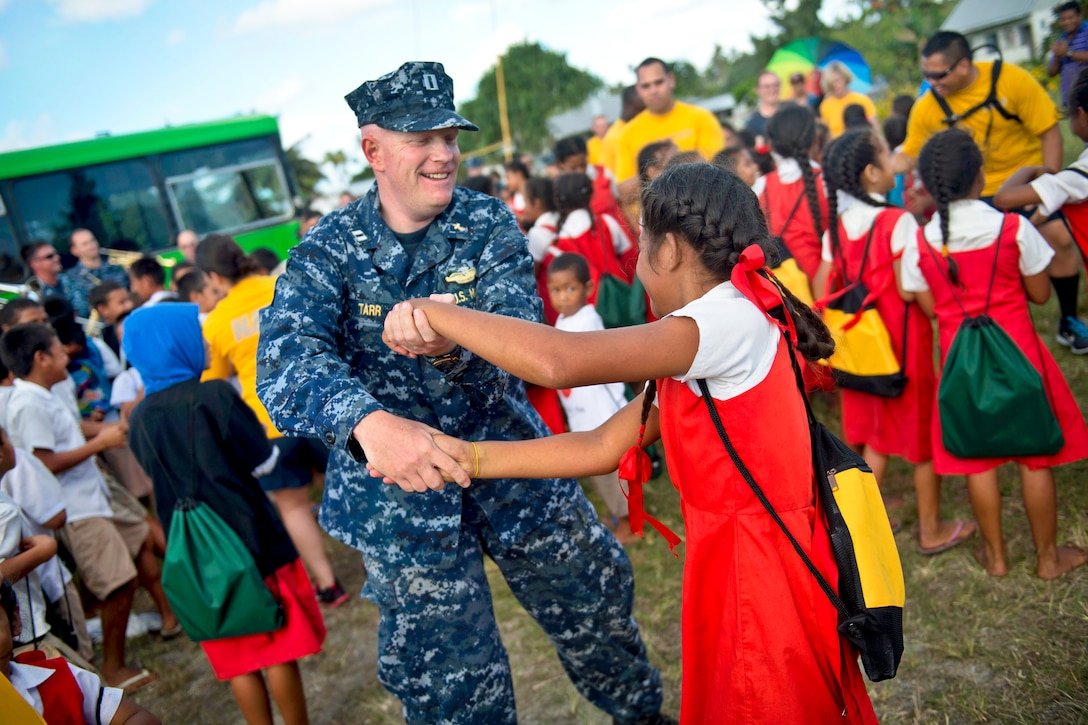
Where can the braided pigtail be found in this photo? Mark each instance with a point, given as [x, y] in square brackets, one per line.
[648, 399]
[791, 132]
[814, 340]
[949, 165]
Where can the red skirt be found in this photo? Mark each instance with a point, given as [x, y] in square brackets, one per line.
[301, 635]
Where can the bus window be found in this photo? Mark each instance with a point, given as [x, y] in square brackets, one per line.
[219, 156]
[118, 202]
[11, 264]
[230, 199]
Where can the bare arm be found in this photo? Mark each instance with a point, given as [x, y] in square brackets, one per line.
[111, 436]
[580, 454]
[1016, 192]
[129, 713]
[819, 282]
[1051, 140]
[1037, 287]
[902, 163]
[34, 551]
[545, 356]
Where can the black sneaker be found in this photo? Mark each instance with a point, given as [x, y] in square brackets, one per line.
[1073, 334]
[333, 596]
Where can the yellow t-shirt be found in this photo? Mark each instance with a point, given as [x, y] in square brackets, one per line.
[831, 109]
[232, 330]
[691, 128]
[610, 145]
[593, 151]
[1012, 143]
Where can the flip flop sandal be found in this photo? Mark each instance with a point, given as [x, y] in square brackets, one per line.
[956, 539]
[138, 681]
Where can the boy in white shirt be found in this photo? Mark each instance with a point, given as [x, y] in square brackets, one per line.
[39, 422]
[569, 286]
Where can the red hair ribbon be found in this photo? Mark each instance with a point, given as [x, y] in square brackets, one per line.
[635, 468]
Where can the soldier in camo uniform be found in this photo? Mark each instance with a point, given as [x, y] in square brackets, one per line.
[325, 372]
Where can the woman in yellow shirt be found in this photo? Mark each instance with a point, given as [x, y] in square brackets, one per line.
[835, 83]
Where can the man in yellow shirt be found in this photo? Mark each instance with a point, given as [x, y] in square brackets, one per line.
[691, 128]
[1015, 124]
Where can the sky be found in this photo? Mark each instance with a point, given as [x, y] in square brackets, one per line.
[71, 69]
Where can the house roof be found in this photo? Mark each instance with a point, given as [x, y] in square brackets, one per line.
[971, 15]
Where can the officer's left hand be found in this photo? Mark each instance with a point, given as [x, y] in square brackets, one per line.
[407, 331]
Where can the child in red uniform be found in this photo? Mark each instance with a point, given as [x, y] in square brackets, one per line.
[201, 437]
[968, 247]
[859, 172]
[743, 661]
[792, 196]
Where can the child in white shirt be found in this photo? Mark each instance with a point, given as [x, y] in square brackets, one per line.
[569, 286]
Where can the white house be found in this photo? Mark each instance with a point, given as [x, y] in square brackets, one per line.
[1018, 28]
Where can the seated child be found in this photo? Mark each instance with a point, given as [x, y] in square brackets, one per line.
[57, 690]
[569, 286]
[40, 421]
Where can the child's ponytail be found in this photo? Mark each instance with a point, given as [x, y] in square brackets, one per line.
[949, 165]
[844, 163]
[791, 131]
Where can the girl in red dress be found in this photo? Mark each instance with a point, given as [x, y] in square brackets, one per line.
[863, 227]
[965, 249]
[759, 636]
[792, 196]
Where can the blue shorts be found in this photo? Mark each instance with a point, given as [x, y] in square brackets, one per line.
[299, 458]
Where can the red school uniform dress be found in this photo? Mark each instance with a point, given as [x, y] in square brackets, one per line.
[785, 206]
[759, 637]
[1008, 308]
[900, 426]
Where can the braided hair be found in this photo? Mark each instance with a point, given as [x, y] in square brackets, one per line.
[791, 132]
[844, 163]
[949, 164]
[572, 192]
[719, 216]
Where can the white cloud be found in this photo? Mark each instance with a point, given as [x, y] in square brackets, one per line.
[90, 11]
[18, 134]
[3, 5]
[175, 37]
[290, 14]
[274, 99]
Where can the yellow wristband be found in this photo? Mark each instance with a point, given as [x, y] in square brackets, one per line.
[476, 453]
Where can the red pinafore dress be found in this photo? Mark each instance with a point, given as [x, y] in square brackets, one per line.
[759, 637]
[900, 426]
[789, 217]
[1008, 308]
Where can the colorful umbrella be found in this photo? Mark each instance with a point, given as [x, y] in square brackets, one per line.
[805, 55]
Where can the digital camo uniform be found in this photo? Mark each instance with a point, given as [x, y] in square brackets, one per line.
[323, 367]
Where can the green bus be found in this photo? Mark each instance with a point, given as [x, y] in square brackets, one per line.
[137, 191]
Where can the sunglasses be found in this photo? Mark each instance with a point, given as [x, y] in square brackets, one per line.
[942, 74]
[51, 255]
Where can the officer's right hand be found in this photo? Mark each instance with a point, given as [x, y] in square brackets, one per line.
[404, 452]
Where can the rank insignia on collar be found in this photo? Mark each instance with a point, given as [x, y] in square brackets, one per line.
[463, 276]
[358, 235]
[458, 227]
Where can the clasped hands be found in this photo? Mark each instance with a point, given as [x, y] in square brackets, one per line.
[405, 452]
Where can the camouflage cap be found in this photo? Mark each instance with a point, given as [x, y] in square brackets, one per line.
[417, 96]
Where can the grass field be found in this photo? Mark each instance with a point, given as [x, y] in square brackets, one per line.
[978, 649]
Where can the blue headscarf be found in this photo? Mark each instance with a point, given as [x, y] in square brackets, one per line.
[165, 344]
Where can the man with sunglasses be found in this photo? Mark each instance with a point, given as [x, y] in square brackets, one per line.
[46, 280]
[1015, 124]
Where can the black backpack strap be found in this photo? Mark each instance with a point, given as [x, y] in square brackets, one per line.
[1075, 170]
[951, 119]
[747, 475]
[789, 217]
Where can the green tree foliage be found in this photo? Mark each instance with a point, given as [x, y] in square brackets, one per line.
[307, 173]
[890, 35]
[539, 83]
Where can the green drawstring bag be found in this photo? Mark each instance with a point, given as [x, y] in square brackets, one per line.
[209, 576]
[620, 304]
[211, 579]
[991, 399]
